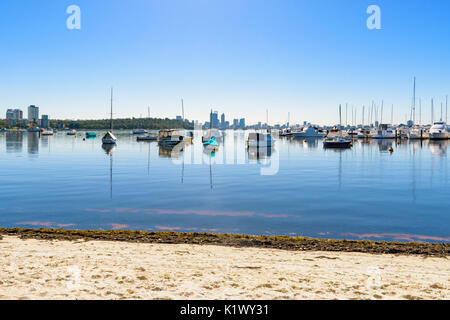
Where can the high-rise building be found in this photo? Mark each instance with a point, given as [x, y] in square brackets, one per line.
[44, 121]
[242, 123]
[214, 119]
[14, 116]
[222, 120]
[33, 113]
[235, 123]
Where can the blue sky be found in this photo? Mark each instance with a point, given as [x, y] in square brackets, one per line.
[240, 57]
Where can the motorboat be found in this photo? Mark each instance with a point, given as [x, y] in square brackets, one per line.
[140, 131]
[438, 131]
[309, 132]
[338, 141]
[286, 132]
[384, 132]
[417, 133]
[72, 132]
[47, 133]
[171, 137]
[149, 137]
[91, 134]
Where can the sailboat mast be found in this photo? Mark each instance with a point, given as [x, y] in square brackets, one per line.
[111, 121]
[381, 116]
[413, 107]
[432, 111]
[392, 115]
[182, 108]
[340, 121]
[446, 108]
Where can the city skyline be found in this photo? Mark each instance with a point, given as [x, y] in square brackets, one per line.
[242, 57]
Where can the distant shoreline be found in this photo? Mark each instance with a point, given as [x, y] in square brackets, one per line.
[235, 240]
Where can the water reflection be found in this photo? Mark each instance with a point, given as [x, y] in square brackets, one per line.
[14, 142]
[255, 153]
[33, 143]
[438, 147]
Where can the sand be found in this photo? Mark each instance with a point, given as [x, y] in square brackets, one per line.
[41, 269]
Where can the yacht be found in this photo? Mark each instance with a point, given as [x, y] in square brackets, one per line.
[72, 132]
[47, 133]
[363, 133]
[338, 141]
[439, 131]
[140, 131]
[286, 132]
[417, 133]
[384, 132]
[309, 132]
[109, 137]
[171, 137]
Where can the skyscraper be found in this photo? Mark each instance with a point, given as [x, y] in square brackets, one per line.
[222, 120]
[44, 121]
[242, 123]
[214, 119]
[14, 116]
[235, 123]
[33, 113]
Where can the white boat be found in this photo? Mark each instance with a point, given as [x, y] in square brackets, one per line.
[417, 133]
[47, 133]
[140, 131]
[259, 140]
[109, 137]
[308, 132]
[338, 141]
[383, 132]
[286, 132]
[72, 132]
[363, 133]
[172, 137]
[439, 131]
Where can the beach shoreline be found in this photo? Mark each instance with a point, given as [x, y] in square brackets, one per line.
[55, 269]
[236, 240]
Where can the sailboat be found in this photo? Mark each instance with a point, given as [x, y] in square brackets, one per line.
[109, 137]
[338, 142]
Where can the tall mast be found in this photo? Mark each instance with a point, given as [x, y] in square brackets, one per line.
[392, 115]
[441, 111]
[182, 109]
[346, 114]
[381, 116]
[363, 117]
[340, 131]
[420, 111]
[446, 108]
[432, 112]
[413, 106]
[111, 122]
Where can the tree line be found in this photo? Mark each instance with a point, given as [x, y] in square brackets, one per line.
[128, 123]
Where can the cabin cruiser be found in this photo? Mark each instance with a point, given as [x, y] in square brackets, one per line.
[417, 133]
[439, 131]
[171, 137]
[72, 132]
[363, 133]
[383, 132]
[309, 132]
[337, 142]
[286, 132]
[259, 140]
[47, 133]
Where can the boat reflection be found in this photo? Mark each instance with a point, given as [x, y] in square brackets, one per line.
[168, 151]
[255, 153]
[438, 147]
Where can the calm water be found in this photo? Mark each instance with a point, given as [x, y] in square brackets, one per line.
[298, 188]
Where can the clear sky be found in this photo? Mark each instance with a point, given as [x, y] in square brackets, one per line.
[240, 57]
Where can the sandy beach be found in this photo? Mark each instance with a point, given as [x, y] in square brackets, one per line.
[43, 269]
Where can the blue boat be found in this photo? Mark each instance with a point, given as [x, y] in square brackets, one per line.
[211, 143]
